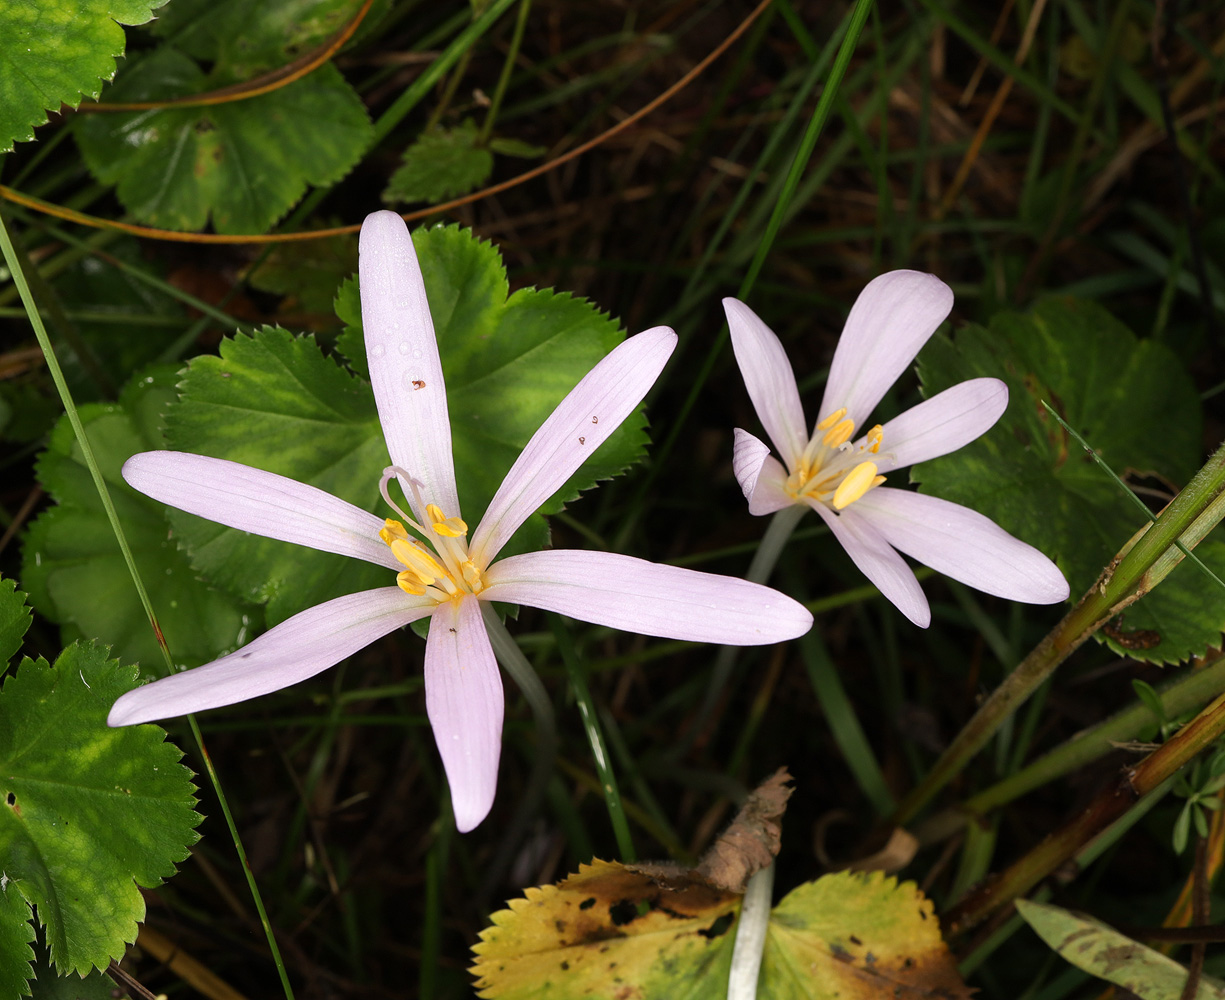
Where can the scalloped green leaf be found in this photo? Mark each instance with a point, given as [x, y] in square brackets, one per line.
[56, 52]
[87, 813]
[14, 620]
[276, 402]
[241, 164]
[72, 564]
[1131, 400]
[440, 164]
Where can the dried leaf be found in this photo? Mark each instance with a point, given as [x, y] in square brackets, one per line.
[753, 839]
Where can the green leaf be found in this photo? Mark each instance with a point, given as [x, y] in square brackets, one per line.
[1103, 952]
[48, 985]
[517, 148]
[16, 939]
[55, 51]
[309, 273]
[73, 568]
[243, 39]
[276, 402]
[87, 813]
[14, 620]
[1131, 400]
[242, 164]
[442, 163]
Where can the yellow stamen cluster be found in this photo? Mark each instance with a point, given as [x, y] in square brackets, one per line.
[826, 470]
[443, 575]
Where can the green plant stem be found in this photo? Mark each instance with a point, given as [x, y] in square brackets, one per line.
[421, 86]
[1130, 575]
[1136, 782]
[751, 935]
[511, 657]
[499, 91]
[1186, 693]
[91, 462]
[595, 736]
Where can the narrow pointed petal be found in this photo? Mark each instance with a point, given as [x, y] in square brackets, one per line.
[944, 423]
[639, 596]
[404, 367]
[770, 380]
[877, 561]
[262, 503]
[892, 318]
[963, 544]
[759, 474]
[298, 648]
[591, 411]
[463, 698]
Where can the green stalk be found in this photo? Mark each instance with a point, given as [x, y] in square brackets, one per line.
[91, 462]
[499, 91]
[751, 935]
[595, 736]
[1138, 567]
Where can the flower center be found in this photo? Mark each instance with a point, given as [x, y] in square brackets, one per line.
[440, 570]
[832, 470]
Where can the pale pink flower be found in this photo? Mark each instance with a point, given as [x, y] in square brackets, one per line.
[838, 470]
[442, 573]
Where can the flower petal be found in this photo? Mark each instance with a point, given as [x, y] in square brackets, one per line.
[262, 503]
[944, 423]
[892, 318]
[963, 544]
[770, 380]
[298, 648]
[463, 698]
[591, 411]
[404, 367]
[878, 561]
[760, 475]
[640, 596]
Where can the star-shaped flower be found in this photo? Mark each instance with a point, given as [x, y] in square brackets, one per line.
[442, 573]
[838, 470]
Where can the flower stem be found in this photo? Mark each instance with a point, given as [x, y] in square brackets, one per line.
[1141, 564]
[595, 736]
[91, 462]
[511, 657]
[751, 935]
[512, 53]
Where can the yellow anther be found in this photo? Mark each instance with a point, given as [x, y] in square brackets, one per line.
[875, 436]
[409, 583]
[857, 482]
[832, 419]
[448, 527]
[392, 530]
[472, 575]
[839, 434]
[418, 561]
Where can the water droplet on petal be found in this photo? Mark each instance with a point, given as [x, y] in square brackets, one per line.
[403, 347]
[377, 350]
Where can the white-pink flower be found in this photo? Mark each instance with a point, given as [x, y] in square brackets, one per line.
[838, 470]
[442, 572]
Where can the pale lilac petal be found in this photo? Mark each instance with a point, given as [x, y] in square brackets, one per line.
[963, 544]
[892, 318]
[944, 423]
[262, 503]
[760, 475]
[298, 648]
[463, 698]
[591, 411]
[403, 356]
[769, 379]
[639, 596]
[878, 561]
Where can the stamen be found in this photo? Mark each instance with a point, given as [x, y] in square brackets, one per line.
[392, 530]
[448, 527]
[857, 482]
[832, 419]
[472, 576]
[417, 560]
[875, 437]
[409, 583]
[840, 434]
